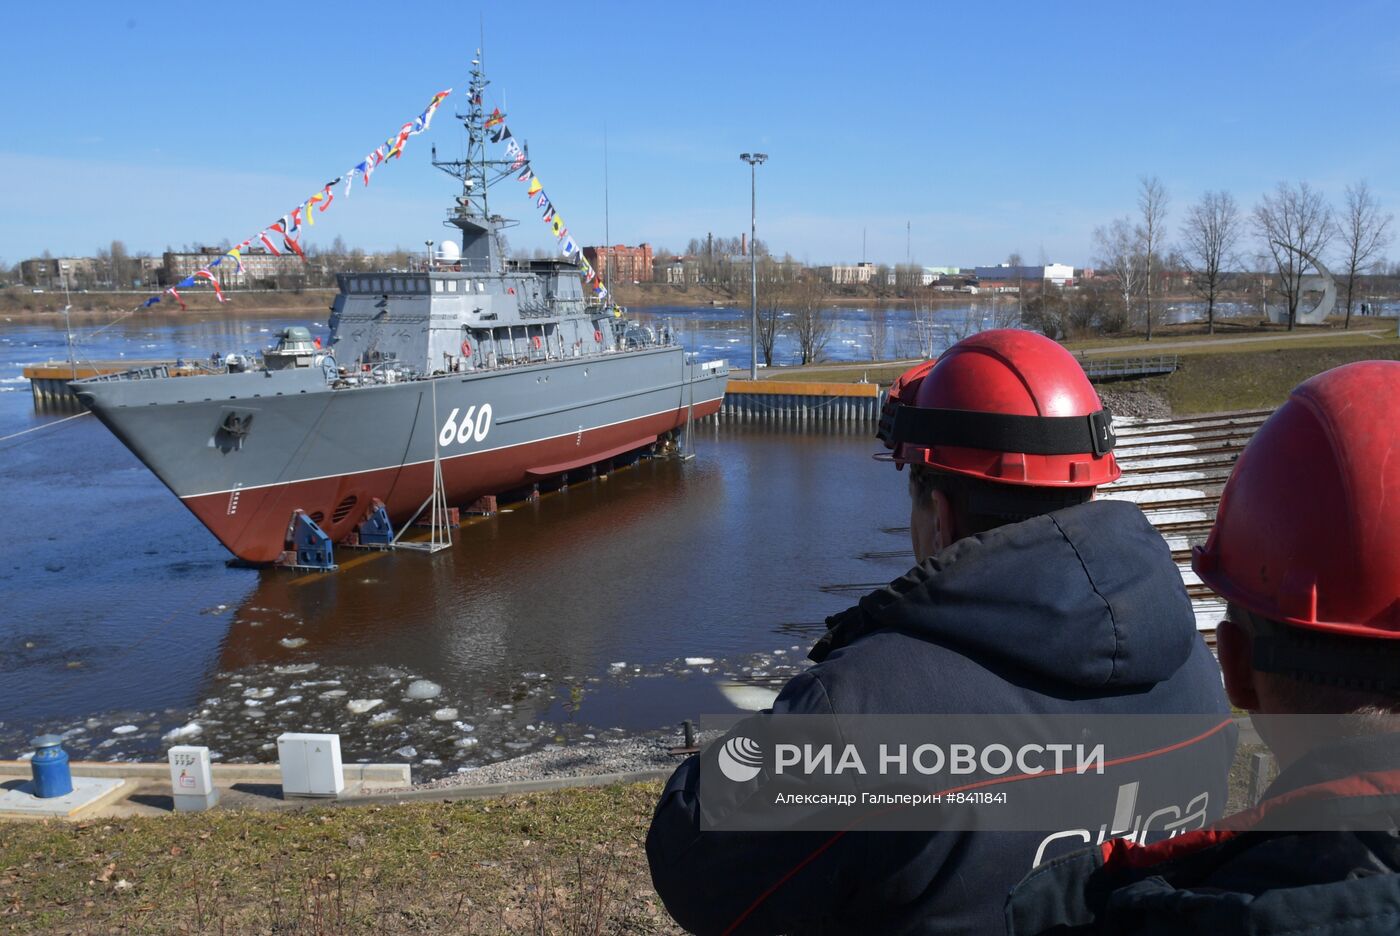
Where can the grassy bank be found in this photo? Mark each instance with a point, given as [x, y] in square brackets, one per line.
[566, 862]
[1259, 377]
[24, 305]
[1214, 375]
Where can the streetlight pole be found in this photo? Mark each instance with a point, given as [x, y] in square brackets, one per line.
[754, 160]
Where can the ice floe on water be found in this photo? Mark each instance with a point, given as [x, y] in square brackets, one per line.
[184, 732]
[746, 697]
[292, 643]
[379, 711]
[423, 689]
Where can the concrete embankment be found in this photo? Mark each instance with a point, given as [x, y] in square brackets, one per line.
[800, 403]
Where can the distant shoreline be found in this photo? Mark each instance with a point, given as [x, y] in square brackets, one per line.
[18, 305]
[100, 317]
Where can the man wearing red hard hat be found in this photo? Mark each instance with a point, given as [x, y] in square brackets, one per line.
[1029, 598]
[1306, 551]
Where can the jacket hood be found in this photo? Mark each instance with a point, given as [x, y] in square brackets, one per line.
[1087, 596]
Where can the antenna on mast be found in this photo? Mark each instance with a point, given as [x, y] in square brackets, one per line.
[607, 230]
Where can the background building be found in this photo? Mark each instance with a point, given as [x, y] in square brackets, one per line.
[50, 272]
[628, 264]
[849, 274]
[1059, 274]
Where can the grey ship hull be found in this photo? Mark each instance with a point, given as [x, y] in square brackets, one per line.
[243, 451]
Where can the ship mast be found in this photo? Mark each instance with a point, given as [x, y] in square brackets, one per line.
[477, 173]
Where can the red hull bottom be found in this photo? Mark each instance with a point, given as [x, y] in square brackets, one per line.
[253, 523]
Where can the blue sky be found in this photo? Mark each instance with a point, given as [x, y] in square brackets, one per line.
[988, 128]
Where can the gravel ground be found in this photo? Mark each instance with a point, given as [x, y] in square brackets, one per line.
[603, 756]
[1135, 401]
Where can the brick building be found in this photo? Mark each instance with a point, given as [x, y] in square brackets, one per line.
[629, 264]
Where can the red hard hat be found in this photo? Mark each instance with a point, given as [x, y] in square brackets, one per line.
[1308, 530]
[1008, 406]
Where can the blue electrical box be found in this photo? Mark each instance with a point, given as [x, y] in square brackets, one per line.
[50, 767]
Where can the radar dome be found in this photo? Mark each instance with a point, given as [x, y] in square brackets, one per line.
[449, 252]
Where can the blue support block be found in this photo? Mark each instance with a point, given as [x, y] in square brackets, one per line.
[311, 544]
[375, 529]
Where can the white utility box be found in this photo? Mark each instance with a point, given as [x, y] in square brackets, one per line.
[191, 786]
[310, 764]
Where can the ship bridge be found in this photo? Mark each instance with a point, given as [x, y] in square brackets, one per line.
[447, 318]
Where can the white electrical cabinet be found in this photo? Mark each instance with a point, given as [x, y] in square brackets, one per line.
[310, 764]
[191, 783]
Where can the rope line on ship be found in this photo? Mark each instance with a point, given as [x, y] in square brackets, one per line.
[56, 422]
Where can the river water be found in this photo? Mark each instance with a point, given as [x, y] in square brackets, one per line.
[667, 591]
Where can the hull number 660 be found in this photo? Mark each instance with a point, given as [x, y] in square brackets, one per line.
[474, 425]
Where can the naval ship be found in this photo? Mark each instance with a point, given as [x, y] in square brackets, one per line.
[498, 370]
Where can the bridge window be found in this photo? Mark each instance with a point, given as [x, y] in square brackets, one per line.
[437, 285]
[451, 285]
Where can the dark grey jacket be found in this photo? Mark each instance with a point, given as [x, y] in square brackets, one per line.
[1079, 611]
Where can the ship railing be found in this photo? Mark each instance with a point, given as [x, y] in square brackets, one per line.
[154, 372]
[161, 371]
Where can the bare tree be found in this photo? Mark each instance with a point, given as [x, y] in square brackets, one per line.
[924, 333]
[770, 302]
[1152, 203]
[1120, 253]
[1365, 233]
[879, 332]
[121, 265]
[1048, 312]
[811, 320]
[1294, 223]
[1210, 232]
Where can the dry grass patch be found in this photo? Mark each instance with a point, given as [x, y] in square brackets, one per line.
[569, 862]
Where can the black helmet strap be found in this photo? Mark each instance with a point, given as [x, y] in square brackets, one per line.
[1001, 432]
